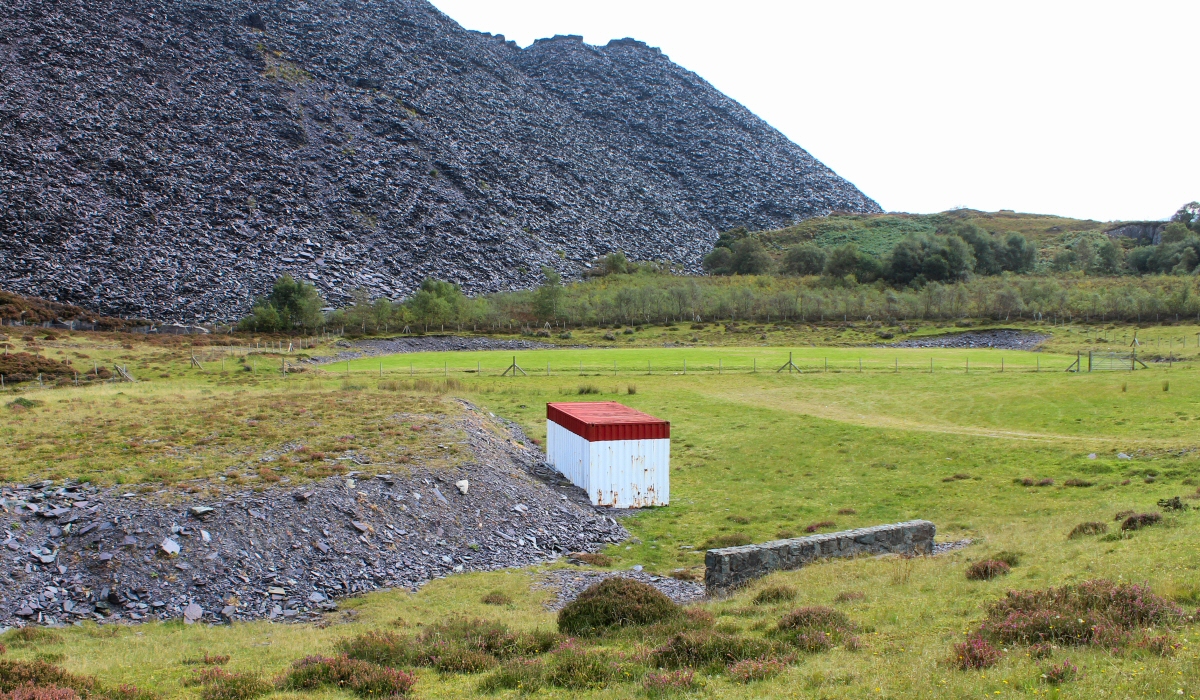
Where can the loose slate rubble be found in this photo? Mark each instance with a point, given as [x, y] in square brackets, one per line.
[77, 552]
[429, 343]
[997, 340]
[170, 159]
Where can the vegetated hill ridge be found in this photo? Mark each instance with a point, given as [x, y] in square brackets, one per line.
[878, 233]
[170, 158]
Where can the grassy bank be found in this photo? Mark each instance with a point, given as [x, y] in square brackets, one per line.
[755, 456]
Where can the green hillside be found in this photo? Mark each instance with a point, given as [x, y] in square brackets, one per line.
[878, 233]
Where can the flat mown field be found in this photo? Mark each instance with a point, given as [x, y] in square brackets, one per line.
[757, 455]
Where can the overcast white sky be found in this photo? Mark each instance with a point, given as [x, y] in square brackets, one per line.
[1079, 109]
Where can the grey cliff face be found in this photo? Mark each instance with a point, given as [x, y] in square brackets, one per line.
[171, 158]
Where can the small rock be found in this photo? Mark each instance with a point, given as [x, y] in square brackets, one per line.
[463, 486]
[1092, 455]
[200, 511]
[521, 508]
[192, 613]
[204, 536]
[1122, 455]
[302, 496]
[169, 547]
[360, 526]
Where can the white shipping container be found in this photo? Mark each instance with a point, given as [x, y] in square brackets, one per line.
[625, 464]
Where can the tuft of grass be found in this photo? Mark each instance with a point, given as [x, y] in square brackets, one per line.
[593, 558]
[657, 684]
[987, 570]
[1086, 529]
[218, 684]
[775, 594]
[710, 649]
[729, 539]
[585, 389]
[1078, 483]
[739, 519]
[816, 628]
[1010, 558]
[751, 670]
[849, 596]
[822, 525]
[1057, 674]
[496, 598]
[631, 389]
[615, 602]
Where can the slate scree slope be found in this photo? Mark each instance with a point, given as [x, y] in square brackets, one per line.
[171, 158]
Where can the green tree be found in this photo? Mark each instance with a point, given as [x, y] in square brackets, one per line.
[615, 264]
[847, 259]
[804, 259]
[548, 297]
[437, 302]
[1175, 232]
[719, 261]
[749, 257]
[1017, 254]
[297, 303]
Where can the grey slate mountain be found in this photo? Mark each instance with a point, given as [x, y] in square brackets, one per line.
[171, 158]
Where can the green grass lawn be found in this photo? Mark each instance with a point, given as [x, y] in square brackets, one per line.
[761, 455]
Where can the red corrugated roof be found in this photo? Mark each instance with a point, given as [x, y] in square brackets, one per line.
[607, 420]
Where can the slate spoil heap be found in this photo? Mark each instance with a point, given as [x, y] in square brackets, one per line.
[170, 159]
[76, 552]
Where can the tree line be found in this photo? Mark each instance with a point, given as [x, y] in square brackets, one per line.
[962, 273]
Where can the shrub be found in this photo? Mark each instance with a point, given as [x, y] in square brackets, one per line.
[1172, 504]
[849, 596]
[1141, 520]
[615, 602]
[1124, 514]
[729, 539]
[1025, 482]
[219, 684]
[824, 524]
[752, 670]
[631, 389]
[975, 653]
[1060, 673]
[702, 649]
[1162, 645]
[589, 388]
[359, 677]
[816, 628]
[1095, 612]
[497, 598]
[1085, 529]
[1046, 482]
[36, 692]
[16, 674]
[775, 594]
[1041, 651]
[1079, 483]
[739, 519]
[847, 511]
[785, 534]
[660, 683]
[987, 570]
[483, 636]
[376, 647]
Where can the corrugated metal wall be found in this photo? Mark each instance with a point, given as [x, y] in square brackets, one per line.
[617, 473]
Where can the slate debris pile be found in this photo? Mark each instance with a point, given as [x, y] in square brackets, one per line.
[76, 552]
[997, 340]
[169, 158]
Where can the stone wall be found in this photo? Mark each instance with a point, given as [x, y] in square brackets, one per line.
[731, 567]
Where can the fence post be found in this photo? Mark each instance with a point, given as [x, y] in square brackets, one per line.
[1089, 360]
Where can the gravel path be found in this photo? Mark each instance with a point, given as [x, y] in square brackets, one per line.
[998, 340]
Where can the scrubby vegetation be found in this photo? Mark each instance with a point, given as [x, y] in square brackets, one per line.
[615, 602]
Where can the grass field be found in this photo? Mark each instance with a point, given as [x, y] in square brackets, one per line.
[757, 455]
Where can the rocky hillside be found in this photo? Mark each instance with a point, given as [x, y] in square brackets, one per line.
[170, 158]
